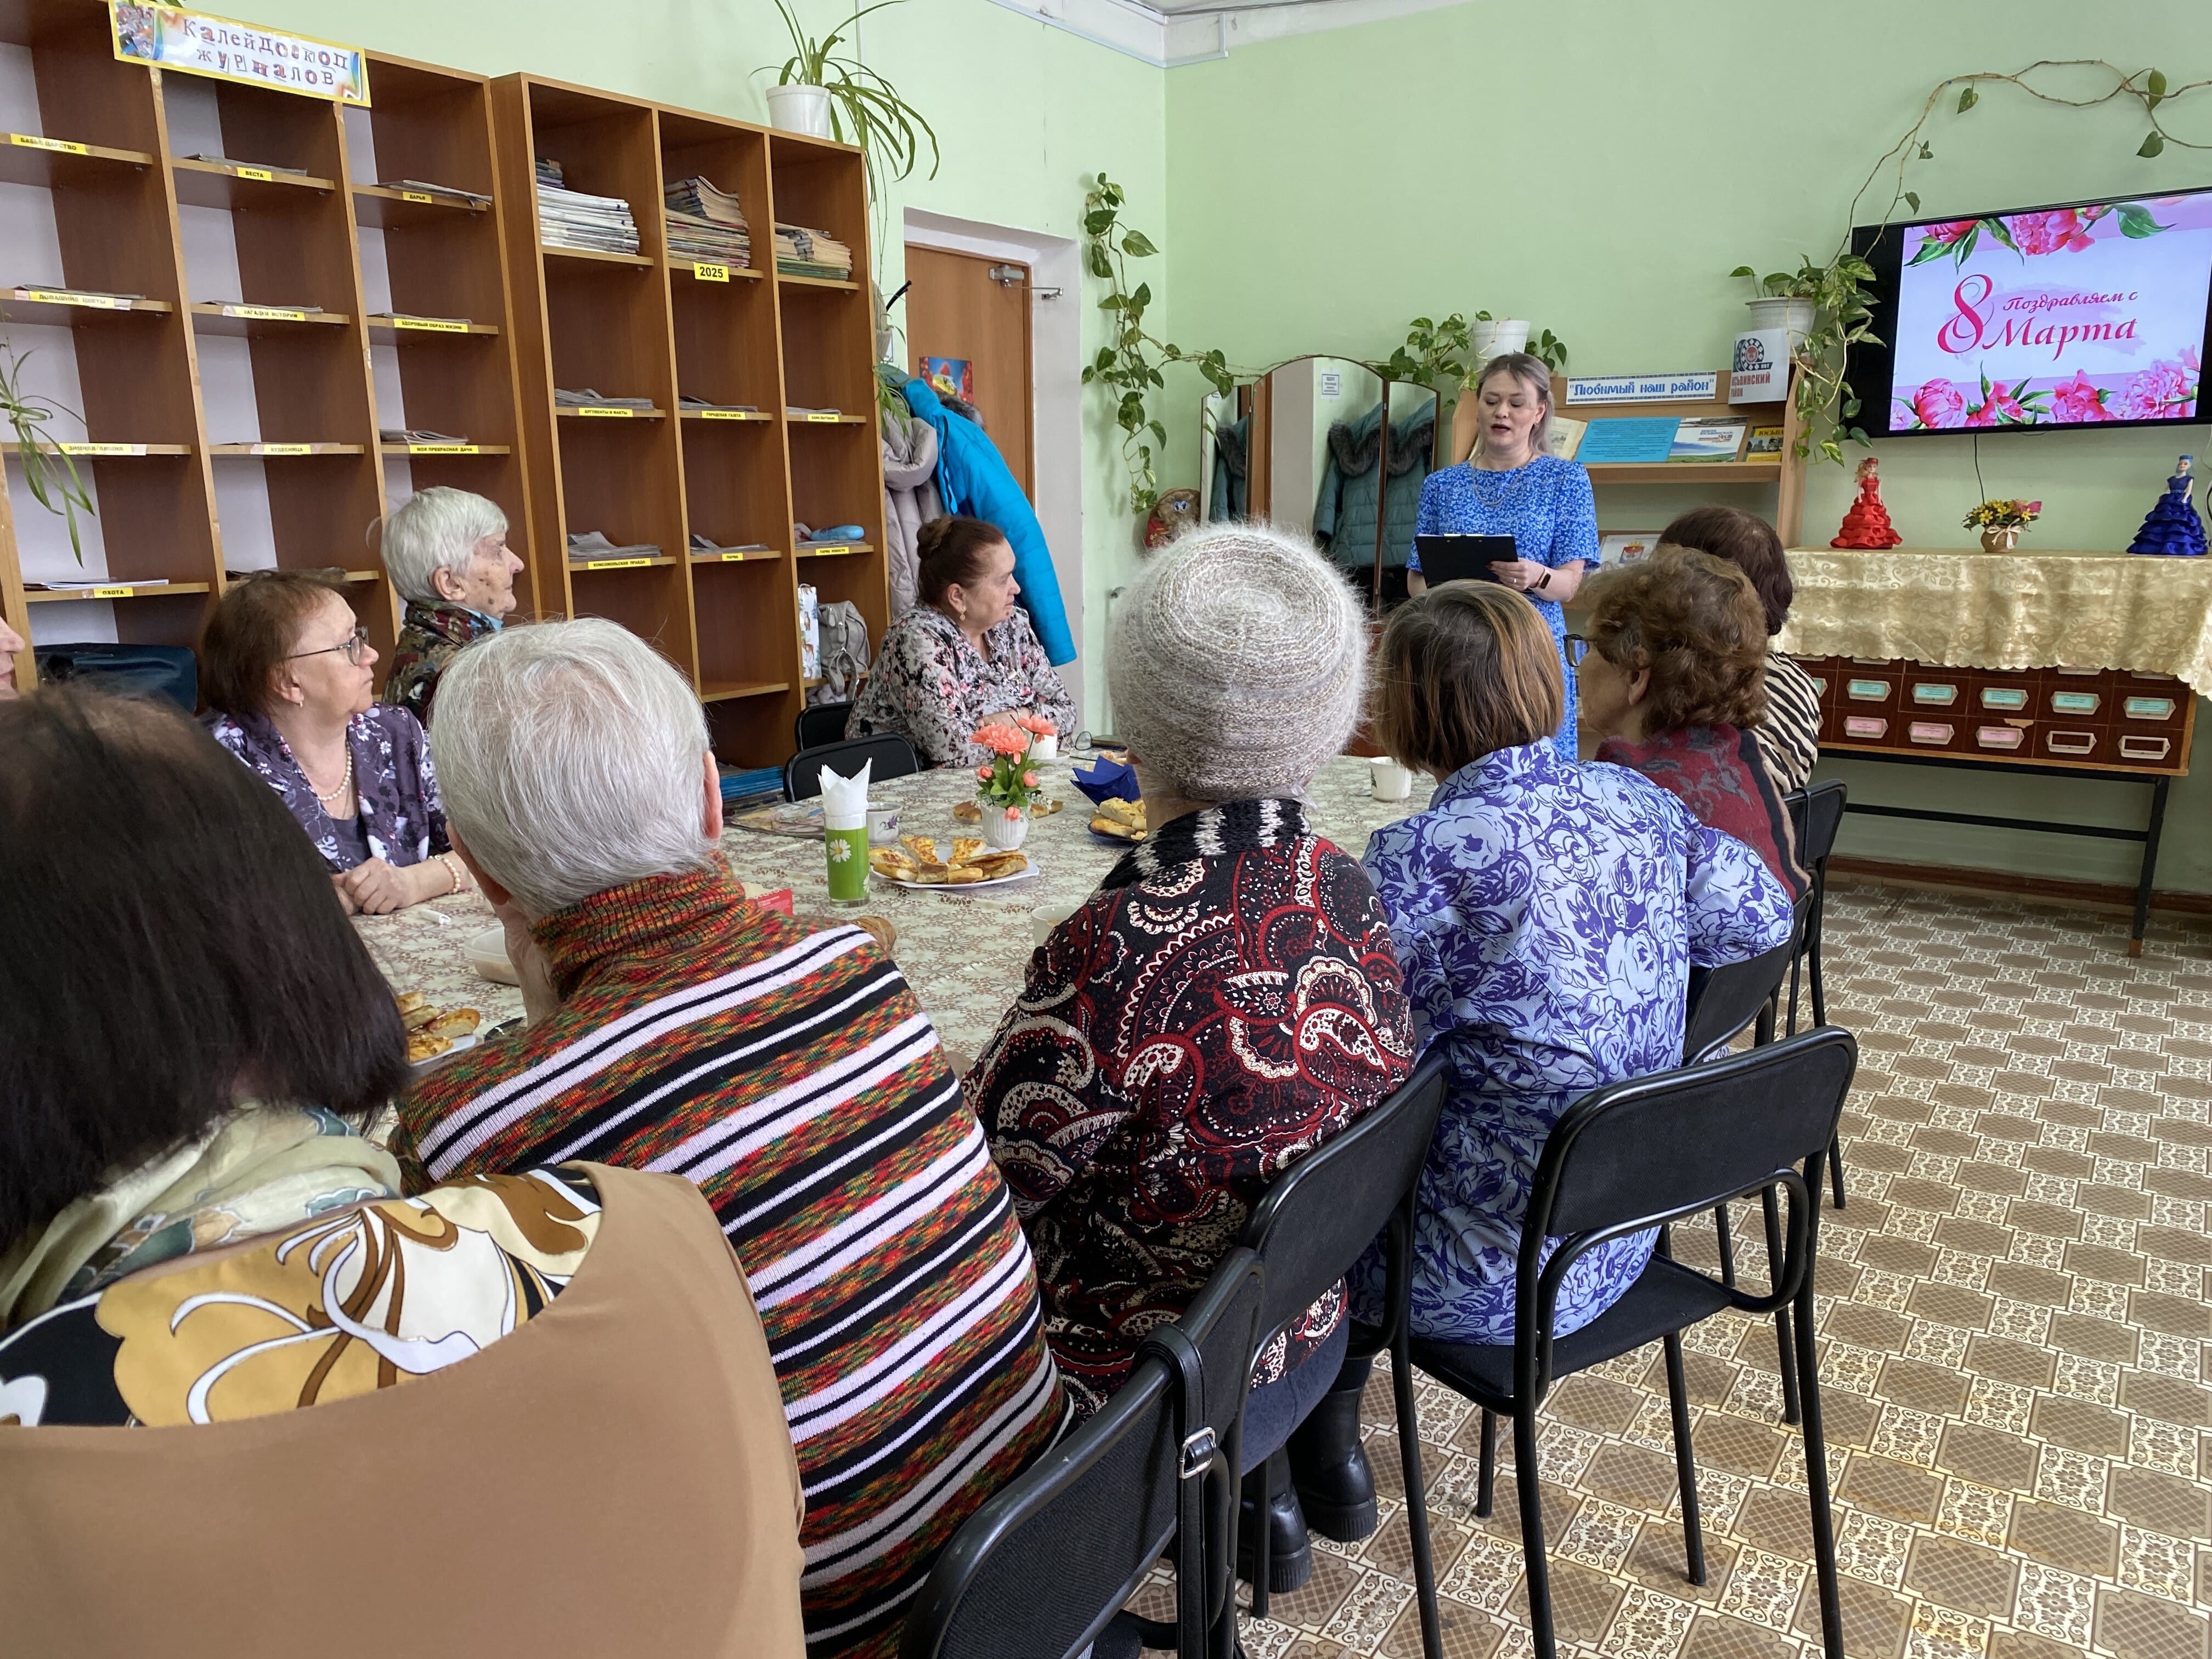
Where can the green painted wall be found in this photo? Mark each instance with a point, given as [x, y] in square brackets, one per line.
[1598, 166]
[1023, 112]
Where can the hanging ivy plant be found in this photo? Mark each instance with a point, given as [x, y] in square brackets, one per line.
[49, 471]
[1129, 365]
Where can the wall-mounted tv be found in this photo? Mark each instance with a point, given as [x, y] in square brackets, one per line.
[2092, 313]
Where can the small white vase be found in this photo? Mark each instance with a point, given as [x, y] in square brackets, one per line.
[1495, 339]
[799, 109]
[1781, 311]
[1003, 830]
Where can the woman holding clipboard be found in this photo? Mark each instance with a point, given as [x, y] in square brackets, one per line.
[1511, 486]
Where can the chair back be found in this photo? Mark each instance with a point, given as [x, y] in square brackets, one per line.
[820, 724]
[1045, 1565]
[1721, 1001]
[892, 755]
[1325, 1210]
[1640, 1154]
[1816, 813]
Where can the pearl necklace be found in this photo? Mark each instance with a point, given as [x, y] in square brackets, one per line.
[338, 793]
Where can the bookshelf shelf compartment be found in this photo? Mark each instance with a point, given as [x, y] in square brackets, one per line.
[211, 184]
[121, 590]
[210, 319]
[832, 283]
[391, 331]
[384, 209]
[27, 159]
[277, 451]
[62, 307]
[586, 256]
[615, 418]
[100, 452]
[445, 452]
[832, 549]
[731, 691]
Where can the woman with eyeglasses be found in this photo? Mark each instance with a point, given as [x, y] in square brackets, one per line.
[288, 673]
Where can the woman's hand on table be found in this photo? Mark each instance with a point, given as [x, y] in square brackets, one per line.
[377, 888]
[345, 897]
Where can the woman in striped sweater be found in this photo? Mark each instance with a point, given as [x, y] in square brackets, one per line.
[788, 1073]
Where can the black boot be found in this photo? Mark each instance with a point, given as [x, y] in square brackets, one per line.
[1328, 1465]
[1290, 1552]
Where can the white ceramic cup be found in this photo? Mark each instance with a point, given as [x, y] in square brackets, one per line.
[1045, 917]
[883, 825]
[1391, 780]
[1045, 748]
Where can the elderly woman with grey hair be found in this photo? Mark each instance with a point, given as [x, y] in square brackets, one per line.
[446, 551]
[1227, 1001]
[785, 1069]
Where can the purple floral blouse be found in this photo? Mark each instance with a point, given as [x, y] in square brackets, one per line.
[400, 806]
[934, 687]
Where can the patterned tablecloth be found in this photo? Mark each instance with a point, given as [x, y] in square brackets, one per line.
[964, 953]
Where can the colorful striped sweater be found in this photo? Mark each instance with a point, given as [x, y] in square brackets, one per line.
[790, 1074]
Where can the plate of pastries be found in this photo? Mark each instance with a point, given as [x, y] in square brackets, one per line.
[969, 811]
[966, 861]
[432, 1030]
[1119, 820]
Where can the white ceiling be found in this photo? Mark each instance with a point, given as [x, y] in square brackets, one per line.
[1168, 32]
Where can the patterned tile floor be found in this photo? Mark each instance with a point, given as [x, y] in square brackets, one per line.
[2013, 1360]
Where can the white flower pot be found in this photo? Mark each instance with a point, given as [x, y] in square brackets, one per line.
[1002, 833]
[799, 109]
[1783, 313]
[1495, 339]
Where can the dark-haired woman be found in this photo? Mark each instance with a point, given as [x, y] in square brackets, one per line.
[964, 655]
[194, 1235]
[1788, 732]
[287, 672]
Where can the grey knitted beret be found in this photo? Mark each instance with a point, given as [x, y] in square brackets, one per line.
[1237, 664]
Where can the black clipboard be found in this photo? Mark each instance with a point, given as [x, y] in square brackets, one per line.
[1461, 558]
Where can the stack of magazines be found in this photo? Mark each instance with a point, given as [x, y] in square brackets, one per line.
[803, 252]
[707, 223]
[569, 218]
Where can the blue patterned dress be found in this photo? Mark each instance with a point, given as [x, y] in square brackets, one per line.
[1546, 917]
[1546, 506]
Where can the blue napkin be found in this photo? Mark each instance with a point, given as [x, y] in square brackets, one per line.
[1107, 779]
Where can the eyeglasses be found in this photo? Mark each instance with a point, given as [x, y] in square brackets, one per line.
[354, 645]
[1576, 647]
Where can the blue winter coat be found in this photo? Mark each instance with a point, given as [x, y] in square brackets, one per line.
[974, 479]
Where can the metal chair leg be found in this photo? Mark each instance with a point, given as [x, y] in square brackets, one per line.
[1417, 1501]
[1526, 1462]
[1786, 1361]
[1263, 1536]
[1816, 1456]
[1486, 1482]
[1724, 1233]
[1836, 1166]
[1685, 1463]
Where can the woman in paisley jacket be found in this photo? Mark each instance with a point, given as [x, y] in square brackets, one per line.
[196, 1235]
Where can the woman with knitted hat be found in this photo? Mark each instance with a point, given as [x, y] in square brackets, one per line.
[1227, 1001]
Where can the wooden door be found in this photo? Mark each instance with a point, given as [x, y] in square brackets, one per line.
[958, 308]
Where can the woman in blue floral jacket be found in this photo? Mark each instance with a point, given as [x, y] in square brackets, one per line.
[1546, 917]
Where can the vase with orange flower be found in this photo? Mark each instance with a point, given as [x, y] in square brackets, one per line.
[1007, 784]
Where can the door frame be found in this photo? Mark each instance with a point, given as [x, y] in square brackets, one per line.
[1055, 406]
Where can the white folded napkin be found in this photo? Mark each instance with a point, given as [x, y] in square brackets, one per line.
[845, 800]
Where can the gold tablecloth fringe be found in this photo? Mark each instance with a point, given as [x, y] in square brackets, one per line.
[1972, 610]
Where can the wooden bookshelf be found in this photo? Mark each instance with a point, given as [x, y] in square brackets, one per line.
[651, 325]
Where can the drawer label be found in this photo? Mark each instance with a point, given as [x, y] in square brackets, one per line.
[2071, 743]
[432, 324]
[703, 270]
[59, 146]
[64, 296]
[2000, 737]
[1861, 725]
[2144, 749]
[1929, 732]
[1867, 690]
[2149, 708]
[1943, 695]
[1820, 685]
[101, 449]
[2074, 702]
[262, 174]
[2003, 696]
[422, 196]
[112, 593]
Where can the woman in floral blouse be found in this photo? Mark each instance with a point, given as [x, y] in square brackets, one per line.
[1225, 1002]
[287, 671]
[964, 656]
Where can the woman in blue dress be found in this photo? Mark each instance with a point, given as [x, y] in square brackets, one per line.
[1511, 486]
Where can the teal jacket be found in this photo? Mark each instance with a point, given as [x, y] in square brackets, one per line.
[1351, 487]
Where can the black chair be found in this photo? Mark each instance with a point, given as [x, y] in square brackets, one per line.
[1319, 1217]
[893, 755]
[1622, 1160]
[820, 724]
[1816, 814]
[1046, 1565]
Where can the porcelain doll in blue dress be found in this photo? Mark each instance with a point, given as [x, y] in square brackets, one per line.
[1511, 486]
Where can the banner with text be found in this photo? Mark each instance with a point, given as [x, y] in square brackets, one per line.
[193, 43]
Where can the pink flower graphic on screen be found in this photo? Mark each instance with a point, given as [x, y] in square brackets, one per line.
[1939, 404]
[2048, 232]
[2077, 400]
[1949, 231]
[2001, 407]
[2165, 391]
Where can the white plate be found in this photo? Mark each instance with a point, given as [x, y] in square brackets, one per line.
[445, 1055]
[956, 887]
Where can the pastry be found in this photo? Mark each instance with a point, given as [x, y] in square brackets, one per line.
[994, 866]
[923, 848]
[964, 849]
[967, 812]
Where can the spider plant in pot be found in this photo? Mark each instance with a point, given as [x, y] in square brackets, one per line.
[824, 94]
[50, 471]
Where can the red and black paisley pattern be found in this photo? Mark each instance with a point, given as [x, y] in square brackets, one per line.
[1227, 1001]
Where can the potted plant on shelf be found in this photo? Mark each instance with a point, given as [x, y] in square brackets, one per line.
[824, 95]
[1006, 787]
[2001, 523]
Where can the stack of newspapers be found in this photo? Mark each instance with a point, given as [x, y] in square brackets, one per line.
[707, 223]
[569, 218]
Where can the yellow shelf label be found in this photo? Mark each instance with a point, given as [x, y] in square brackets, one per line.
[283, 449]
[445, 449]
[614, 564]
[728, 415]
[260, 174]
[267, 314]
[60, 146]
[824, 417]
[737, 558]
[416, 196]
[602, 411]
[102, 449]
[431, 325]
[62, 296]
[112, 593]
[709, 273]
[825, 552]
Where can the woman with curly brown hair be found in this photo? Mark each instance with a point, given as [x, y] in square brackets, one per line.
[1674, 685]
